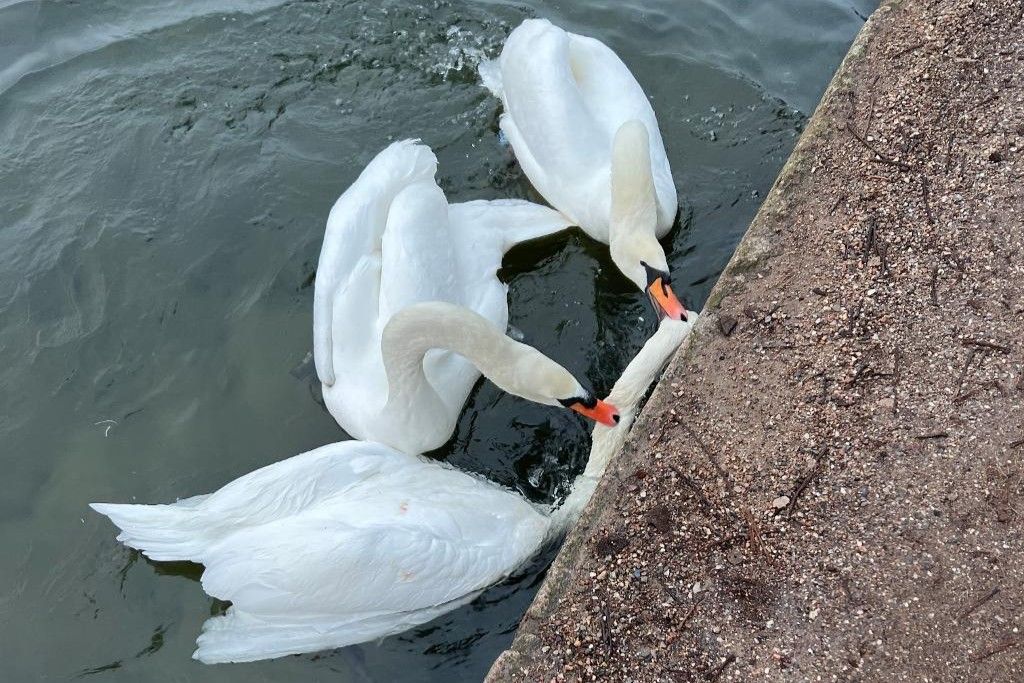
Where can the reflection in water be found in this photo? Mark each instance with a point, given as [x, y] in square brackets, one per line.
[167, 171]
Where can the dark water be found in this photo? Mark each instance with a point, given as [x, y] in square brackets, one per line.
[166, 170]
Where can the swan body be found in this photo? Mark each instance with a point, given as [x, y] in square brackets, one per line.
[393, 240]
[355, 541]
[587, 138]
[346, 543]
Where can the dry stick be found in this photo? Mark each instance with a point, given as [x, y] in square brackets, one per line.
[987, 345]
[915, 46]
[991, 384]
[932, 435]
[960, 398]
[1005, 645]
[927, 205]
[963, 373]
[979, 602]
[869, 240]
[690, 613]
[695, 487]
[882, 159]
[832, 211]
[707, 451]
[871, 106]
[804, 481]
[949, 151]
[753, 529]
[716, 673]
[935, 291]
[896, 371]
[671, 592]
[1017, 444]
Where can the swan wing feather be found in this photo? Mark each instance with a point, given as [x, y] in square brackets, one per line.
[565, 96]
[418, 536]
[354, 230]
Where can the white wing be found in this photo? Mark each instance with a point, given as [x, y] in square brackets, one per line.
[483, 231]
[354, 232]
[187, 529]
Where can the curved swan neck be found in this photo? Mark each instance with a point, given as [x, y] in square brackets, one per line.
[634, 209]
[417, 329]
[626, 395]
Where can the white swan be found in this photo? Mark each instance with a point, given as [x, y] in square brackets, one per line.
[393, 240]
[586, 137]
[356, 541]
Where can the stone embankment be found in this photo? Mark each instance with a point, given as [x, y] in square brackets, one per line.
[828, 483]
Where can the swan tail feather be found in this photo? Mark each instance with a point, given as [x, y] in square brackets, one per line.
[239, 636]
[165, 533]
[490, 74]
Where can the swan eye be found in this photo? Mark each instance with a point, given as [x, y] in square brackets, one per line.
[588, 401]
[655, 274]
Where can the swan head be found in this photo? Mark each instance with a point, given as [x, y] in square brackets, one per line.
[537, 378]
[659, 289]
[641, 259]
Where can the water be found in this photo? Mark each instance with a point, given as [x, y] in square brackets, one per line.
[166, 170]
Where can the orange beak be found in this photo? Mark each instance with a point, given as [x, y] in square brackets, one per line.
[602, 412]
[665, 301]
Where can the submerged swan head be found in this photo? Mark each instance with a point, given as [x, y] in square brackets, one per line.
[634, 215]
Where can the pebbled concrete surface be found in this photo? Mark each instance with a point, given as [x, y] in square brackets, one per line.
[828, 482]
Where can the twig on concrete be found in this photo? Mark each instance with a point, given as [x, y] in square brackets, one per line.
[963, 373]
[912, 48]
[871, 107]
[925, 193]
[671, 592]
[996, 649]
[691, 612]
[982, 386]
[839, 200]
[971, 393]
[987, 345]
[804, 481]
[897, 374]
[979, 602]
[934, 286]
[753, 529]
[869, 240]
[1017, 444]
[932, 435]
[881, 158]
[704, 447]
[716, 673]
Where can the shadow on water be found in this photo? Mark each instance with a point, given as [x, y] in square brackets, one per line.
[167, 169]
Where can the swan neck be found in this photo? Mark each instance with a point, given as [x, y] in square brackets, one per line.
[634, 202]
[417, 329]
[626, 395]
[633, 221]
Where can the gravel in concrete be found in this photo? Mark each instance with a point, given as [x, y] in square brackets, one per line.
[828, 484]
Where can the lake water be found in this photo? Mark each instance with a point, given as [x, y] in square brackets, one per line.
[166, 170]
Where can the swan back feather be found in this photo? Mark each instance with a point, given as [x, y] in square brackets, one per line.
[565, 96]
